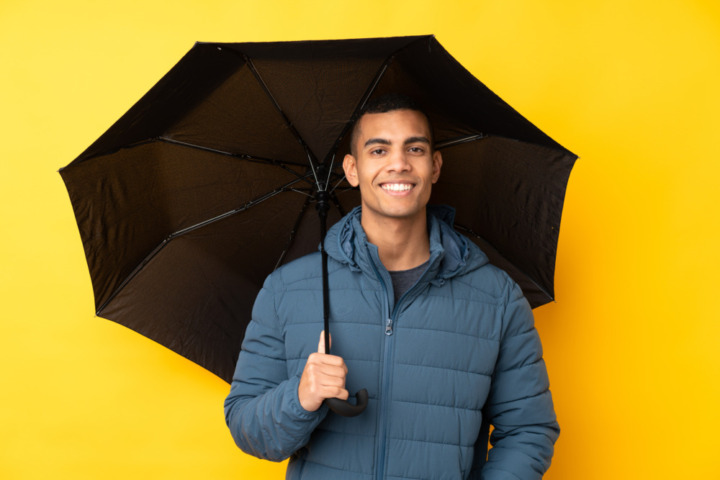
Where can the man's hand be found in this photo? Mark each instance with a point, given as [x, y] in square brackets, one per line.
[323, 377]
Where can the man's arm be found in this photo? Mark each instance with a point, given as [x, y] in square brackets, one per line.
[263, 410]
[520, 406]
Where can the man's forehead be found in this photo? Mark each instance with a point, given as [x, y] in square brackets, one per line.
[394, 121]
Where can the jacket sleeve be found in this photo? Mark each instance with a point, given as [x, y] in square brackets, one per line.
[520, 406]
[262, 410]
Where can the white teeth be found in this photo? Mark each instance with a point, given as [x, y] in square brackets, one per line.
[397, 187]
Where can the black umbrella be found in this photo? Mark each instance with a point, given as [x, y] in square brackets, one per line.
[208, 183]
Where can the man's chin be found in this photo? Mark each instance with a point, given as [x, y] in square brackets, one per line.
[405, 214]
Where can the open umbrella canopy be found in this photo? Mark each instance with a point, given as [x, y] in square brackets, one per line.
[209, 182]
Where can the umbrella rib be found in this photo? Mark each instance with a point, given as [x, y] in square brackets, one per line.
[366, 96]
[363, 101]
[264, 86]
[172, 236]
[112, 150]
[472, 232]
[293, 233]
[329, 173]
[321, 187]
[242, 156]
[456, 141]
[302, 193]
[339, 182]
[339, 207]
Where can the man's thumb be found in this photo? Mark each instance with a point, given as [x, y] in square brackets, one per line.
[321, 344]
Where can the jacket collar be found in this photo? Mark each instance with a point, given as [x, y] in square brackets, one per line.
[451, 253]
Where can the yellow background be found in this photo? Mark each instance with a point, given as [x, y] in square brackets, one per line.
[631, 343]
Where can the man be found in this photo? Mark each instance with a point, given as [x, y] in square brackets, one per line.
[443, 341]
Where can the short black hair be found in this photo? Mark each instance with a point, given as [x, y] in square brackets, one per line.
[388, 102]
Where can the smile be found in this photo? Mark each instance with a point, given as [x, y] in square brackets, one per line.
[396, 187]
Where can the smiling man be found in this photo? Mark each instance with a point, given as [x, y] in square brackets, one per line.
[394, 165]
[443, 341]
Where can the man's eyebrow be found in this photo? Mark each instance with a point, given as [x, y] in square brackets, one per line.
[417, 140]
[380, 141]
[408, 141]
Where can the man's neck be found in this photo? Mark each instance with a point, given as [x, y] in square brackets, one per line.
[402, 243]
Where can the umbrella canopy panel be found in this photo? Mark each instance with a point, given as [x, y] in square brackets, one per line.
[508, 196]
[136, 201]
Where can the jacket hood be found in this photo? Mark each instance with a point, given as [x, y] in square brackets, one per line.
[451, 253]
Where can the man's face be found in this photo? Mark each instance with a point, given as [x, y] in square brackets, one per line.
[393, 164]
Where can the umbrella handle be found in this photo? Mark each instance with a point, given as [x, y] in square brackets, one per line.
[347, 409]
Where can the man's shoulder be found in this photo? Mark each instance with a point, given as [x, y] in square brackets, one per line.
[298, 270]
[487, 278]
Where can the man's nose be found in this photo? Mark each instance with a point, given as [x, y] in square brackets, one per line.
[399, 162]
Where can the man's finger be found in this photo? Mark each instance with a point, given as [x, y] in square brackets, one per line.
[321, 344]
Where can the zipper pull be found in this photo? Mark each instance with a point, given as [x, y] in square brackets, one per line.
[388, 327]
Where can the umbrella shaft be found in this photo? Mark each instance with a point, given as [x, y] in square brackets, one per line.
[322, 206]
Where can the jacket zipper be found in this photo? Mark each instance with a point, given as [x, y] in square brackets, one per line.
[391, 319]
[388, 326]
[384, 381]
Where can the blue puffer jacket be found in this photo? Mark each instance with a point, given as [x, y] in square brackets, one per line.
[457, 353]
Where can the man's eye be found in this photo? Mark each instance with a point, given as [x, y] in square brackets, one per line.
[416, 149]
[377, 151]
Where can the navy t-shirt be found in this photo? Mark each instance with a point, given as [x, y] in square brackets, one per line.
[402, 280]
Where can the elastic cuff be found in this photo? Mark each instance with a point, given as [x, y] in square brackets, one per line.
[295, 406]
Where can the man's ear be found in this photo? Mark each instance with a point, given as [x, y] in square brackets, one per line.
[437, 165]
[350, 167]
